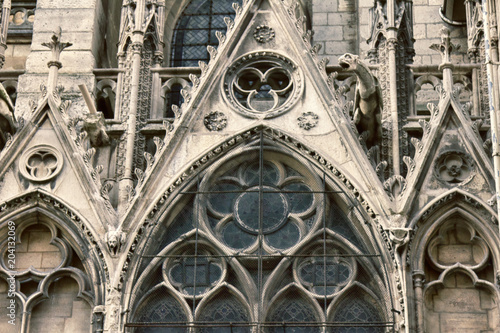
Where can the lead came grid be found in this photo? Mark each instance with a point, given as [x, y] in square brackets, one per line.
[259, 198]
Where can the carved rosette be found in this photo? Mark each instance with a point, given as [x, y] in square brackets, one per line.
[454, 167]
[215, 121]
[308, 120]
[263, 34]
[41, 163]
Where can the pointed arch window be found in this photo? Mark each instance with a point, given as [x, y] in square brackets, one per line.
[263, 241]
[54, 290]
[196, 28]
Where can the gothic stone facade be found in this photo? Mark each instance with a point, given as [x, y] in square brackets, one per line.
[262, 166]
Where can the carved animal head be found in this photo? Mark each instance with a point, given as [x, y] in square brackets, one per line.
[349, 62]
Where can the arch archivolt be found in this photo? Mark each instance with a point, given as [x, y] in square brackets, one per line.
[53, 259]
[454, 263]
[234, 268]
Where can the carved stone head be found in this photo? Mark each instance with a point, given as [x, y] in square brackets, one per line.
[349, 62]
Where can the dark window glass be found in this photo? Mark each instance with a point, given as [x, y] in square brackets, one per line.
[196, 28]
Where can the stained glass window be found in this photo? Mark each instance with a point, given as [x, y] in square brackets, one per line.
[161, 308]
[227, 311]
[295, 316]
[361, 316]
[261, 241]
[196, 28]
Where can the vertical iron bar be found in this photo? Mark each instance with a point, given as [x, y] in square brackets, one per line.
[197, 204]
[324, 242]
[260, 234]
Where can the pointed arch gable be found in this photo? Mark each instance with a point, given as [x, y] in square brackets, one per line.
[292, 145]
[454, 197]
[440, 217]
[55, 213]
[232, 153]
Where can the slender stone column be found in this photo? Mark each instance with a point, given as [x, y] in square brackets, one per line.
[418, 283]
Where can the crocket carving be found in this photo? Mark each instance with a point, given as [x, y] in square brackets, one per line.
[7, 121]
[368, 98]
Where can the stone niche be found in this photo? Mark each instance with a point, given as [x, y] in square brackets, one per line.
[459, 296]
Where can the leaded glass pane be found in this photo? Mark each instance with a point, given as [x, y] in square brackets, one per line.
[194, 275]
[254, 204]
[161, 309]
[196, 29]
[224, 309]
[290, 310]
[359, 315]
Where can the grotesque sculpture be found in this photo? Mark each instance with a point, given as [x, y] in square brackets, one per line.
[7, 122]
[115, 239]
[368, 98]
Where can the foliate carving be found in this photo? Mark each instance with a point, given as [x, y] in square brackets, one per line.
[410, 164]
[195, 80]
[395, 186]
[446, 47]
[220, 36]
[113, 311]
[115, 239]
[215, 121]
[203, 66]
[417, 144]
[212, 51]
[263, 34]
[425, 126]
[454, 167]
[308, 120]
[237, 9]
[262, 84]
[41, 163]
[229, 23]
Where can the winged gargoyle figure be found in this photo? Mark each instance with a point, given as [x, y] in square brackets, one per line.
[7, 121]
[367, 100]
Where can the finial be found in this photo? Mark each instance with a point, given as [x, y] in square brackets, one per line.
[446, 47]
[56, 47]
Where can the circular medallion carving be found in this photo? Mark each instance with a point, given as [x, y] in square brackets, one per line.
[308, 120]
[262, 84]
[215, 121]
[454, 167]
[41, 163]
[263, 34]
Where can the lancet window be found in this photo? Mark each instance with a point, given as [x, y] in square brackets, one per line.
[261, 241]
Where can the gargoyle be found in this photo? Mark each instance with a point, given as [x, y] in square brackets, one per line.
[115, 239]
[7, 121]
[368, 99]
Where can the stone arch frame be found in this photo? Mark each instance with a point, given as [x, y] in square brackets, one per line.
[437, 214]
[75, 232]
[289, 145]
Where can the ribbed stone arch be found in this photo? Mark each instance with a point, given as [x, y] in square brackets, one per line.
[454, 261]
[49, 231]
[184, 204]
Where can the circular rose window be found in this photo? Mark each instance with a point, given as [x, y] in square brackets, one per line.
[262, 84]
[272, 204]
